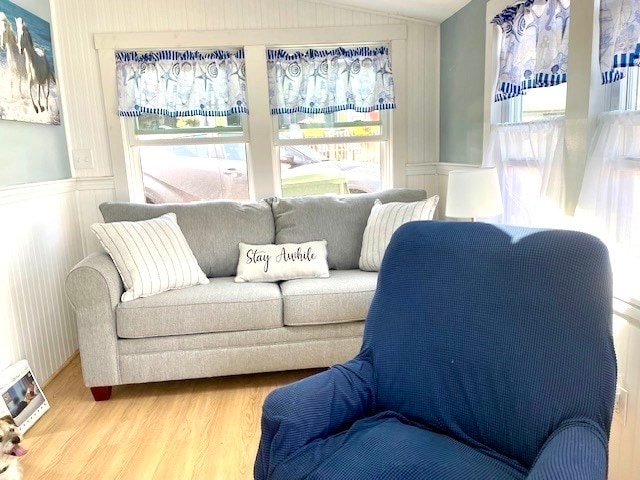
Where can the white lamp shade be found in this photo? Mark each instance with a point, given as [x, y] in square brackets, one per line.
[473, 193]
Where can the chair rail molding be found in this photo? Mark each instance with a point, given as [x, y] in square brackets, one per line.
[421, 169]
[94, 183]
[433, 177]
[21, 193]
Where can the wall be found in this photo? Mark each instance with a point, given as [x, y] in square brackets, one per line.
[78, 67]
[40, 242]
[462, 85]
[32, 152]
[43, 245]
[625, 431]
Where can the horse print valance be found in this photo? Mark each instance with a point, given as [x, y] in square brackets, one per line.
[181, 83]
[330, 80]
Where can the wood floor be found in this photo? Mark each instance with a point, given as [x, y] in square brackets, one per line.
[193, 429]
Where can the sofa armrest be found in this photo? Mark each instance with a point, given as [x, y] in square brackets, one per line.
[312, 408]
[576, 450]
[94, 288]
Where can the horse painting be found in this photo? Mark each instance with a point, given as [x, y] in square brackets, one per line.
[15, 59]
[39, 71]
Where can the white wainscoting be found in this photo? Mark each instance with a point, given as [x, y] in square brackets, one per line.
[625, 433]
[40, 244]
[91, 193]
[433, 177]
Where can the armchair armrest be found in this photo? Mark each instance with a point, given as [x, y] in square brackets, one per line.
[94, 288]
[312, 408]
[576, 450]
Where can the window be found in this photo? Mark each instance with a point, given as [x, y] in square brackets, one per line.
[187, 124]
[531, 138]
[609, 203]
[625, 93]
[341, 152]
[184, 159]
[529, 55]
[535, 104]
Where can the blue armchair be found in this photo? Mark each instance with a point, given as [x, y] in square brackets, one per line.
[487, 354]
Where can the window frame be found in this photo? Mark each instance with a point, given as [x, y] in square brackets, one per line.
[243, 128]
[383, 138]
[261, 168]
[133, 140]
[134, 144]
[512, 110]
[624, 94]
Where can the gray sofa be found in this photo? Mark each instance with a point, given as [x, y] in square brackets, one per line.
[228, 328]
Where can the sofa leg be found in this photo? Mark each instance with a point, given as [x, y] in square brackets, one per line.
[101, 394]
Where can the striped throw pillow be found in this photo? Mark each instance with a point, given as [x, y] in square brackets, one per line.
[152, 256]
[386, 218]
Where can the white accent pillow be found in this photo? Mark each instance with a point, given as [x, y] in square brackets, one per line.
[152, 256]
[384, 220]
[270, 263]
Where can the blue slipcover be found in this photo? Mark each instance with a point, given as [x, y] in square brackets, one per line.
[487, 354]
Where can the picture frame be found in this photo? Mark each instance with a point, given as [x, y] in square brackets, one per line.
[21, 396]
[28, 83]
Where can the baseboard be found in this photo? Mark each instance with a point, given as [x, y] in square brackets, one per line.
[67, 362]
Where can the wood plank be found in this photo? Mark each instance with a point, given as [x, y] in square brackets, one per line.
[190, 429]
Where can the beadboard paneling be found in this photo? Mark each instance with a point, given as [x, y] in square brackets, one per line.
[434, 178]
[91, 193]
[37, 322]
[625, 433]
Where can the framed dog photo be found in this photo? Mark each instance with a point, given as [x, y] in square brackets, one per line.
[22, 397]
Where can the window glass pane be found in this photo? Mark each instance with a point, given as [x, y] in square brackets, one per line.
[330, 168]
[162, 126]
[630, 89]
[347, 123]
[187, 173]
[538, 103]
[523, 184]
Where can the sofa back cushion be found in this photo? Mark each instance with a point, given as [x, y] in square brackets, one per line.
[213, 229]
[340, 220]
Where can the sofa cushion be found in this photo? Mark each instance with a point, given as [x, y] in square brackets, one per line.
[343, 297]
[220, 306]
[212, 229]
[340, 220]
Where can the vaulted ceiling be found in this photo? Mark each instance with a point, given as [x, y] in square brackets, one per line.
[434, 10]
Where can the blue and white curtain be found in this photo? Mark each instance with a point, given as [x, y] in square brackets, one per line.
[619, 37]
[181, 83]
[535, 45]
[330, 80]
